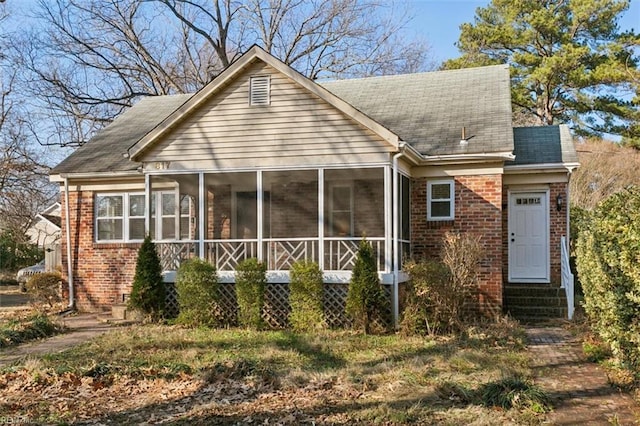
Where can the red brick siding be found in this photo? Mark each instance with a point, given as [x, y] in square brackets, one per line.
[478, 210]
[102, 273]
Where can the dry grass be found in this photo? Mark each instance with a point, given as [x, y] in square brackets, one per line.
[204, 376]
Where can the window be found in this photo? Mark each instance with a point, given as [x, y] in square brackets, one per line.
[342, 210]
[259, 87]
[440, 200]
[119, 217]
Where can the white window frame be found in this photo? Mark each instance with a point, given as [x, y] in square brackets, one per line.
[257, 83]
[125, 216]
[450, 199]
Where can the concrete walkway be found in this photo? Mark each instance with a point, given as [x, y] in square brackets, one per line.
[82, 327]
[579, 389]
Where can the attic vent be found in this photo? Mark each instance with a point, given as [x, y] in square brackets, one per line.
[259, 90]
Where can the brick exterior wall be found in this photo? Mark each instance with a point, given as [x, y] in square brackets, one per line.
[478, 210]
[102, 273]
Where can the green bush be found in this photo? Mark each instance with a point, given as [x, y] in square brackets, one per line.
[148, 292]
[441, 293]
[306, 291]
[197, 288]
[251, 280]
[608, 262]
[365, 297]
[16, 252]
[45, 287]
[23, 330]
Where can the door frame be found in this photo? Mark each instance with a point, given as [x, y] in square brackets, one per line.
[545, 192]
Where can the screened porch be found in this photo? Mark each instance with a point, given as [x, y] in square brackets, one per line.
[279, 217]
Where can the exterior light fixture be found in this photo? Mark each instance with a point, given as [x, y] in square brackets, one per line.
[559, 201]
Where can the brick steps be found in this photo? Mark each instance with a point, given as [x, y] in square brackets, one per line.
[534, 303]
[120, 315]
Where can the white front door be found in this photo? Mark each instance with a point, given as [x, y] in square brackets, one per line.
[529, 237]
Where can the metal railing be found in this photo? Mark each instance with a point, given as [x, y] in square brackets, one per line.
[567, 276]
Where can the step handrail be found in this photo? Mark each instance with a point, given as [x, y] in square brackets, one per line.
[567, 276]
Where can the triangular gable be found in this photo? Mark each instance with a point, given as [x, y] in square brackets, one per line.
[232, 72]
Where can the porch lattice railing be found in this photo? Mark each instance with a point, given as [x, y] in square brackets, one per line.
[280, 254]
[567, 276]
[226, 254]
[341, 253]
[172, 254]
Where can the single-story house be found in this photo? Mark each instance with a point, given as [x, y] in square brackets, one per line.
[45, 233]
[263, 162]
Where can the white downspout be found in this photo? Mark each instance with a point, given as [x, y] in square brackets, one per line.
[67, 224]
[396, 243]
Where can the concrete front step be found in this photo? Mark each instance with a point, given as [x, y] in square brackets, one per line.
[532, 303]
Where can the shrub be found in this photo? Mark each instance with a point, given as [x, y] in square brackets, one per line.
[251, 280]
[365, 297]
[440, 292]
[23, 330]
[45, 287]
[423, 313]
[197, 288]
[148, 293]
[515, 392]
[607, 252]
[306, 291]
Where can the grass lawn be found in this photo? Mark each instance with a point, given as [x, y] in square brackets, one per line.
[172, 375]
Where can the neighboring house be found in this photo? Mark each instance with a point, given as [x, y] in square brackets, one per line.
[45, 233]
[45, 229]
[263, 162]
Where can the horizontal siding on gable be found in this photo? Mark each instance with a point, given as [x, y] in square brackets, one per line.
[225, 131]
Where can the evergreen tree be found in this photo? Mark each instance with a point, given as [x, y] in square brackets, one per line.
[148, 293]
[365, 298]
[569, 62]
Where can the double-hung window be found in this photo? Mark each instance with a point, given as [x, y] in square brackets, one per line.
[440, 200]
[119, 217]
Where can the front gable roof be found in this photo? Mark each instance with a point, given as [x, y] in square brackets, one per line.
[254, 54]
[424, 112]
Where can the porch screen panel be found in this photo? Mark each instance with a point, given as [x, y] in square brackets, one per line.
[354, 203]
[231, 206]
[291, 207]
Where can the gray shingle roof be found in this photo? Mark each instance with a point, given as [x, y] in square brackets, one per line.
[428, 110]
[545, 144]
[105, 151]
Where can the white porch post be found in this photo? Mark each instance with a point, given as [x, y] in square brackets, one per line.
[147, 197]
[260, 206]
[202, 205]
[176, 211]
[321, 219]
[388, 219]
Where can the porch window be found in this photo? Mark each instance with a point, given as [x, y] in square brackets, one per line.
[440, 200]
[342, 210]
[119, 217]
[165, 228]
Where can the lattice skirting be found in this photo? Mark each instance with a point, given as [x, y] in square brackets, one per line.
[276, 308]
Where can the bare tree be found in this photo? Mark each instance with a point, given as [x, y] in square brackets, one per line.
[88, 60]
[605, 168]
[24, 187]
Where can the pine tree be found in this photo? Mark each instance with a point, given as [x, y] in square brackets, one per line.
[365, 298]
[148, 293]
[569, 62]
